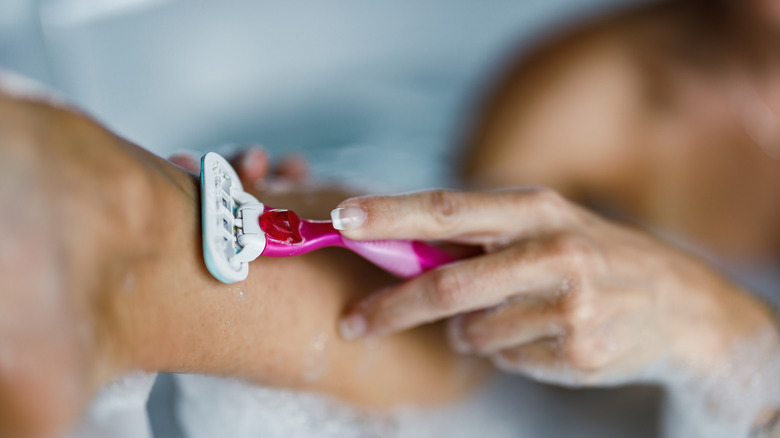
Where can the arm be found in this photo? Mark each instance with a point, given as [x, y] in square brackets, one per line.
[278, 327]
[101, 271]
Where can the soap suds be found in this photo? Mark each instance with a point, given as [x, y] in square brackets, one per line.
[727, 402]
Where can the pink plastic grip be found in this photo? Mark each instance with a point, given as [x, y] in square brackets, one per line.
[404, 258]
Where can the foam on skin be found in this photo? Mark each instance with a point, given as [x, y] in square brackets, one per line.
[726, 403]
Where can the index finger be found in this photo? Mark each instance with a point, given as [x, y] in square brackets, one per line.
[466, 217]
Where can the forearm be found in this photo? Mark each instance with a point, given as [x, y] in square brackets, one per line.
[278, 327]
[101, 273]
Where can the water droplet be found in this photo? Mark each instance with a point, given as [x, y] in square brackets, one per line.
[316, 362]
[128, 285]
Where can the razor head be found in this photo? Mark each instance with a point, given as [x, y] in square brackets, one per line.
[226, 250]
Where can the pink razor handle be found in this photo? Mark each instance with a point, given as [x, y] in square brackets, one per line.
[288, 235]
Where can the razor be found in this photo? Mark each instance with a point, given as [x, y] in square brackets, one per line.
[237, 229]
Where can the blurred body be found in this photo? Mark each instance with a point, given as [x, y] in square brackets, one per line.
[668, 114]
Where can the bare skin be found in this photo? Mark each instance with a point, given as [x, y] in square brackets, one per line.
[669, 114]
[621, 299]
[666, 115]
[102, 274]
[567, 297]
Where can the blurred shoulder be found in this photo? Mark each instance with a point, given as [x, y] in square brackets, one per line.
[580, 92]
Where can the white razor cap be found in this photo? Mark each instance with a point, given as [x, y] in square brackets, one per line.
[222, 197]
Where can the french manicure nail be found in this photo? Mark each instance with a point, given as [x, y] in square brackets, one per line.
[353, 326]
[348, 218]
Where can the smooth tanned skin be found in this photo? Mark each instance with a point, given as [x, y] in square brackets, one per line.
[100, 261]
[650, 112]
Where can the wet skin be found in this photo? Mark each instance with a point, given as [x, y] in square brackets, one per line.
[101, 267]
[665, 115]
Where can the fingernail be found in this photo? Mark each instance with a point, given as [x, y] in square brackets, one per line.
[347, 218]
[353, 326]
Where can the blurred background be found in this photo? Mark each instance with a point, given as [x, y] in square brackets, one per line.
[374, 94]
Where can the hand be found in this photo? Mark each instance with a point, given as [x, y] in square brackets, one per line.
[561, 294]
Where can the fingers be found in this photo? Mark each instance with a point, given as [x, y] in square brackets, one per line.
[516, 322]
[467, 285]
[187, 160]
[293, 168]
[575, 358]
[541, 360]
[547, 361]
[251, 164]
[464, 217]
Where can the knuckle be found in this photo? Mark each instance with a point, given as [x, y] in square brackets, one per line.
[547, 199]
[446, 208]
[579, 313]
[576, 252]
[579, 250]
[448, 289]
[553, 206]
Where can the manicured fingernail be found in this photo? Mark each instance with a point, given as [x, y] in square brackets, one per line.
[353, 326]
[347, 218]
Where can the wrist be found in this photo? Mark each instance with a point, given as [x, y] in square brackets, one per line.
[726, 370]
[737, 318]
[702, 315]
